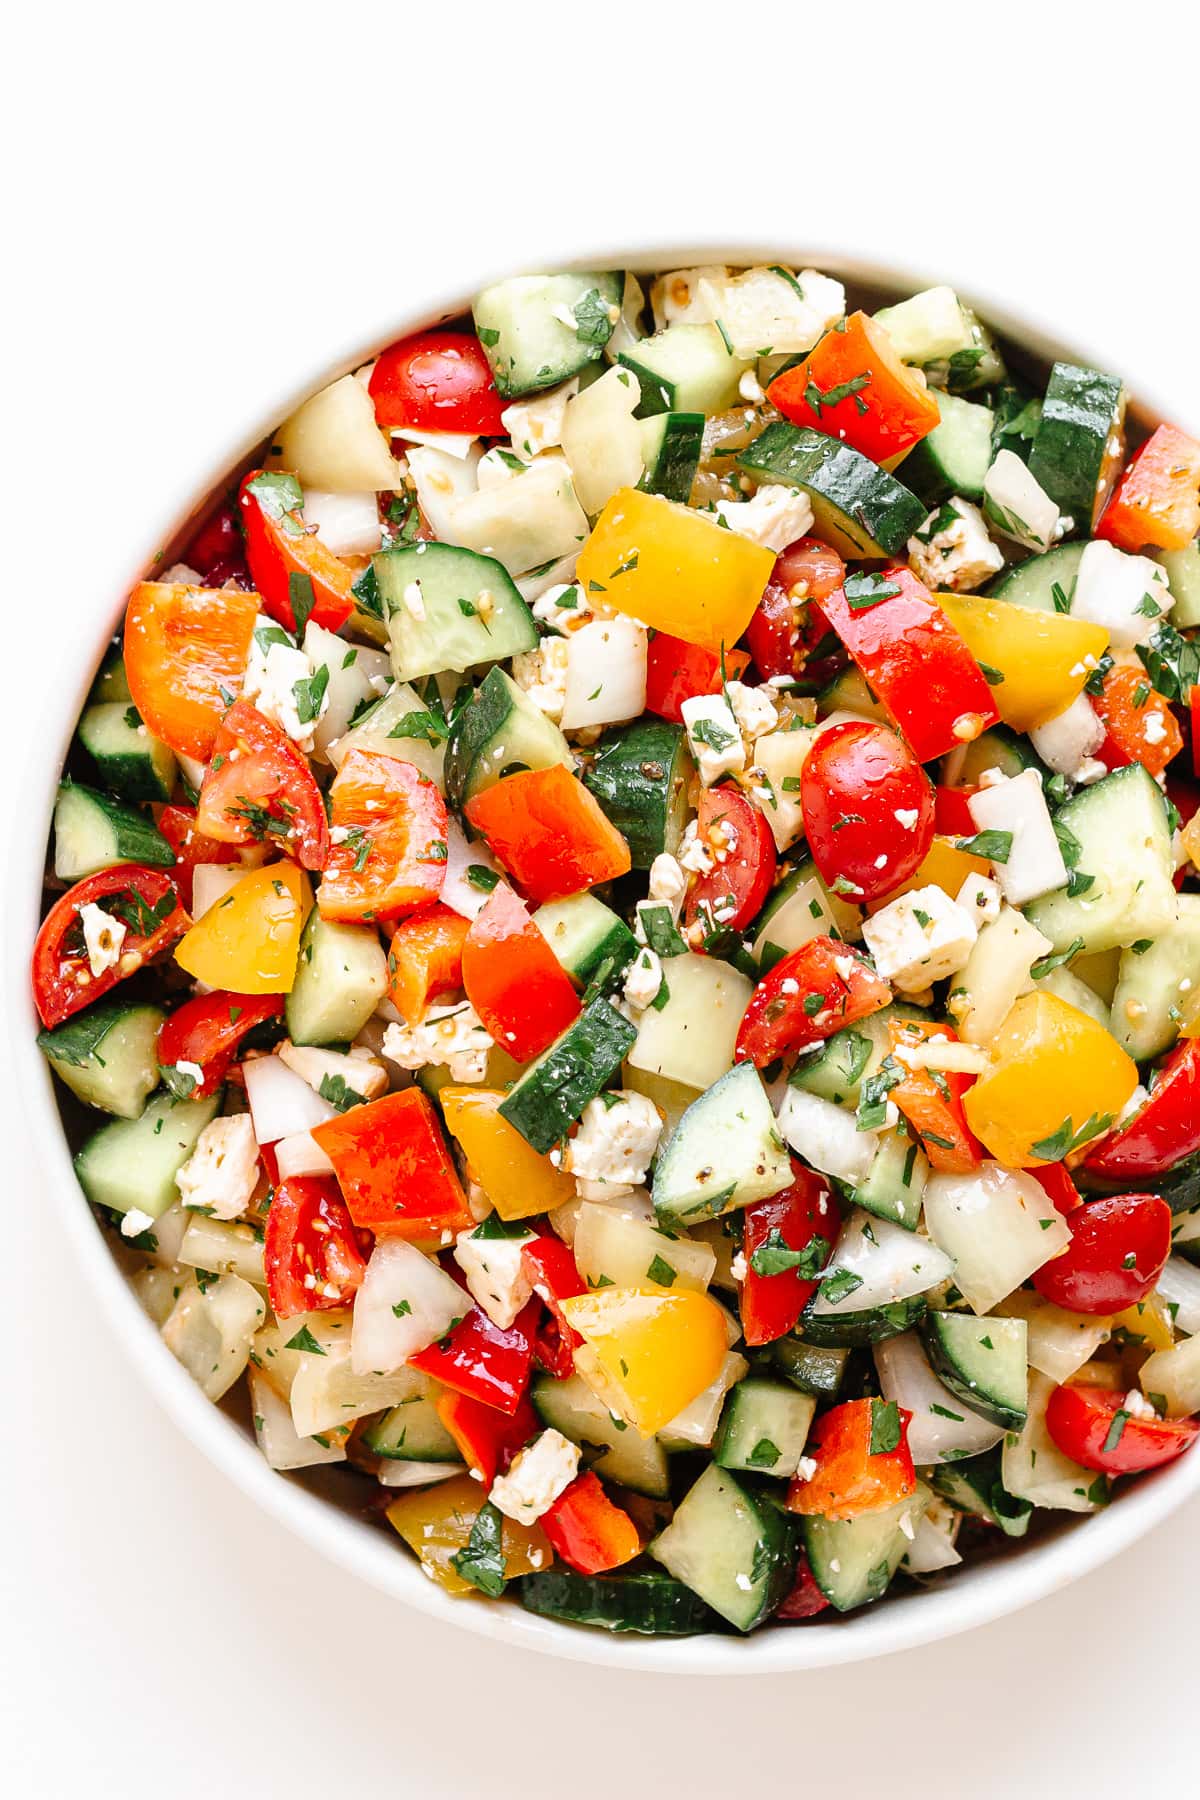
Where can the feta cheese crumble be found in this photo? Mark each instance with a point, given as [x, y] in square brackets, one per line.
[222, 1171]
[536, 424]
[102, 936]
[495, 1273]
[643, 979]
[564, 607]
[273, 674]
[448, 1036]
[616, 1139]
[753, 708]
[536, 1478]
[775, 516]
[953, 549]
[715, 737]
[542, 674]
[919, 938]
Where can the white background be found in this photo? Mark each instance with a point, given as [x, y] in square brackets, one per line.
[208, 200]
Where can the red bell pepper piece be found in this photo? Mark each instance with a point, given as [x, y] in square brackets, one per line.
[311, 1258]
[1156, 502]
[951, 813]
[933, 1104]
[549, 832]
[677, 671]
[286, 560]
[513, 979]
[738, 835]
[208, 1029]
[1127, 704]
[1090, 1425]
[806, 1599]
[588, 1531]
[913, 659]
[191, 846]
[1194, 721]
[1162, 1132]
[809, 994]
[1118, 1248]
[393, 1167]
[853, 386]
[480, 1360]
[863, 1461]
[488, 1438]
[144, 900]
[425, 960]
[803, 1219]
[550, 1266]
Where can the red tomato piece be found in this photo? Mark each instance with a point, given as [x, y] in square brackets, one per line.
[394, 1169]
[1141, 726]
[145, 901]
[1162, 1132]
[425, 960]
[733, 891]
[1057, 1186]
[588, 1531]
[437, 381]
[1156, 502]
[853, 386]
[185, 655]
[913, 659]
[677, 671]
[1090, 1425]
[1117, 1251]
[866, 802]
[550, 1266]
[191, 847]
[788, 625]
[215, 544]
[488, 1439]
[392, 860]
[289, 564]
[804, 1219]
[310, 1253]
[480, 1360]
[934, 1108]
[513, 979]
[550, 833]
[207, 1030]
[809, 994]
[951, 813]
[258, 786]
[806, 1599]
[851, 1478]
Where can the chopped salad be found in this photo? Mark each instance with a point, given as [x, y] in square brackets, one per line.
[623, 934]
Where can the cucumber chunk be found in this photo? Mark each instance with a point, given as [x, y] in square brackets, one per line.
[671, 445]
[588, 938]
[956, 455]
[107, 1055]
[813, 1368]
[411, 1432]
[341, 976]
[856, 1330]
[997, 748]
[1046, 583]
[111, 682]
[974, 1486]
[552, 1093]
[130, 762]
[610, 1447]
[93, 832]
[859, 508]
[1153, 983]
[640, 775]
[523, 326]
[1122, 875]
[895, 1181]
[132, 1163]
[730, 1545]
[690, 1037]
[1183, 577]
[799, 909]
[853, 1560]
[1079, 445]
[640, 1600]
[449, 609]
[726, 1152]
[499, 730]
[764, 1428]
[983, 1362]
[687, 369]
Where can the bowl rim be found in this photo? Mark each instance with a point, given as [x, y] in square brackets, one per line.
[990, 1590]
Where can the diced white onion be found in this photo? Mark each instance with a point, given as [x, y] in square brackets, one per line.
[399, 1274]
[281, 1104]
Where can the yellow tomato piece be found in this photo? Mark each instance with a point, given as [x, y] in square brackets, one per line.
[674, 569]
[944, 866]
[436, 1523]
[249, 941]
[1044, 657]
[516, 1180]
[1055, 1072]
[1147, 1320]
[647, 1351]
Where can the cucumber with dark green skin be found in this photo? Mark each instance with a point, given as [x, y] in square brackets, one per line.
[996, 748]
[1045, 583]
[552, 1093]
[671, 445]
[469, 611]
[853, 1560]
[1183, 576]
[641, 1600]
[858, 507]
[1016, 414]
[974, 1486]
[588, 939]
[640, 776]
[611, 1447]
[498, 727]
[955, 456]
[92, 831]
[131, 763]
[111, 683]
[982, 1362]
[1179, 1187]
[107, 1055]
[813, 1368]
[851, 1330]
[764, 1427]
[1082, 408]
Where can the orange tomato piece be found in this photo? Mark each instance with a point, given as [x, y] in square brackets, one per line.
[185, 657]
[853, 386]
[1156, 503]
[425, 960]
[389, 848]
[549, 832]
[1139, 721]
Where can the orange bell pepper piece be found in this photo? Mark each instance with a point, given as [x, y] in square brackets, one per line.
[185, 657]
[425, 960]
[1156, 503]
[932, 1099]
[853, 386]
[392, 860]
[550, 833]
[863, 1462]
[516, 1179]
[1127, 704]
[588, 1531]
[393, 1168]
[513, 979]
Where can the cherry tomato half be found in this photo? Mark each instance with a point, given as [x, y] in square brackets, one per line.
[1090, 1425]
[208, 1029]
[145, 901]
[258, 785]
[788, 624]
[868, 809]
[1115, 1257]
[310, 1251]
[809, 994]
[436, 381]
[739, 837]
[1162, 1132]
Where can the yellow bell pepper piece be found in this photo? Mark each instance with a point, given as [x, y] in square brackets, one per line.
[1147, 1321]
[1056, 1074]
[436, 1523]
[1044, 657]
[516, 1180]
[647, 1351]
[944, 865]
[249, 941]
[674, 569]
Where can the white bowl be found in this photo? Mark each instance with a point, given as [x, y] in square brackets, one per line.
[971, 1595]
